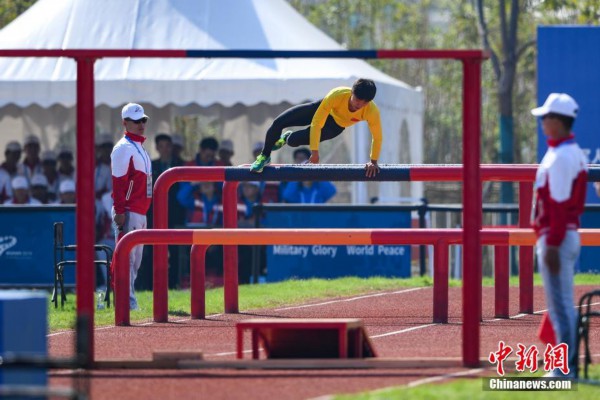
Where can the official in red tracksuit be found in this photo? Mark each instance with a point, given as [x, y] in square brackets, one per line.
[560, 187]
[132, 184]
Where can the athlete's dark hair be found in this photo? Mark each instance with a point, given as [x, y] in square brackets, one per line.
[364, 89]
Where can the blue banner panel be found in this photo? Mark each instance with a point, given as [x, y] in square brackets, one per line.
[324, 261]
[27, 244]
[568, 62]
[589, 260]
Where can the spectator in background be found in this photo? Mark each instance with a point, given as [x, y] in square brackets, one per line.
[51, 174]
[104, 233]
[5, 188]
[225, 153]
[20, 188]
[250, 196]
[103, 188]
[12, 156]
[164, 147]
[205, 205]
[301, 155]
[257, 148]
[270, 192]
[178, 146]
[9, 169]
[102, 175]
[247, 218]
[39, 188]
[206, 153]
[205, 158]
[66, 170]
[66, 192]
[204, 208]
[307, 192]
[31, 163]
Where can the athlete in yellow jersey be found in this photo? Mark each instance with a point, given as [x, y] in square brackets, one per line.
[327, 118]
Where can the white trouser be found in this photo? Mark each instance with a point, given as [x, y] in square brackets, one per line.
[133, 221]
[559, 290]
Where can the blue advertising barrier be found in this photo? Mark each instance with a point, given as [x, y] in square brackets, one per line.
[568, 62]
[318, 261]
[23, 327]
[589, 260]
[27, 244]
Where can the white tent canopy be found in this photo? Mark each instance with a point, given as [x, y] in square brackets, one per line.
[37, 95]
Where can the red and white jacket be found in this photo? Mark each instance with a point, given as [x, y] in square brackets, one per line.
[560, 187]
[131, 173]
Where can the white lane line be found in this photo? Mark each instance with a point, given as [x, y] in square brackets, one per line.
[349, 299]
[445, 376]
[414, 328]
[101, 328]
[538, 312]
[231, 353]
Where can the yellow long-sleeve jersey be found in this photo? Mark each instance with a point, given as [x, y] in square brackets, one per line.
[336, 103]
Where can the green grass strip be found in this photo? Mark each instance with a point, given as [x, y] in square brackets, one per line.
[472, 389]
[268, 295]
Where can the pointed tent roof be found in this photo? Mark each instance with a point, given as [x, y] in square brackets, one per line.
[177, 24]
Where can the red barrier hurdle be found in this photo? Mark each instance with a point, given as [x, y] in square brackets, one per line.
[198, 280]
[439, 238]
[233, 237]
[525, 174]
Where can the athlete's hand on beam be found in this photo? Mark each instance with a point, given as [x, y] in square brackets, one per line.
[314, 157]
[371, 169]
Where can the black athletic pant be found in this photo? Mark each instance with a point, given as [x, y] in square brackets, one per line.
[300, 115]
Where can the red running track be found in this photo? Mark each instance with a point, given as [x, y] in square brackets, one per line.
[398, 322]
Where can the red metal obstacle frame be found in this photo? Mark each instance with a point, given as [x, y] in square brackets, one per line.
[524, 174]
[201, 239]
[439, 238]
[85, 59]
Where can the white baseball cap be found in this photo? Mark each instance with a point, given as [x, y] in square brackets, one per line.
[177, 139]
[13, 146]
[133, 111]
[226, 145]
[31, 139]
[67, 186]
[39, 180]
[19, 182]
[104, 138]
[557, 103]
[258, 146]
[49, 155]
